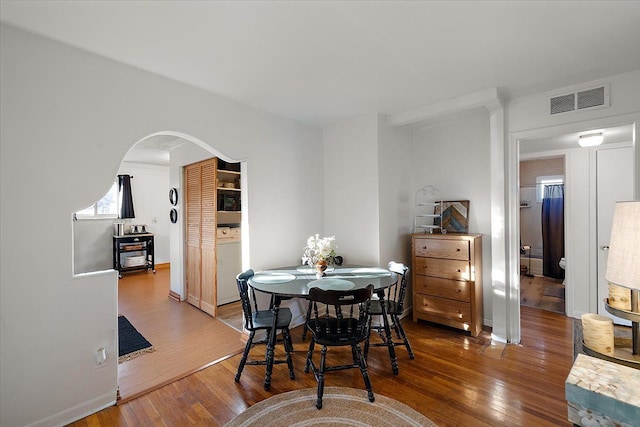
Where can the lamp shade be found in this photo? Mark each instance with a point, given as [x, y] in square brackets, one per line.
[623, 265]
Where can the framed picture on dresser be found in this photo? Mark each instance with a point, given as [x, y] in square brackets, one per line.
[455, 216]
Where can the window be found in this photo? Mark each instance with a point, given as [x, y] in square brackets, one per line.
[107, 207]
[543, 181]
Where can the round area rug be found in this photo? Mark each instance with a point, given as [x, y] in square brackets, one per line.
[341, 406]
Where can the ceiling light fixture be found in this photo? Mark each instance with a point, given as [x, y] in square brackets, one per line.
[591, 139]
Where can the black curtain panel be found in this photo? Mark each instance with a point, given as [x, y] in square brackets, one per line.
[126, 198]
[553, 231]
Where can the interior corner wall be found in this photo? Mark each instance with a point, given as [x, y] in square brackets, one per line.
[454, 157]
[351, 189]
[68, 117]
[395, 146]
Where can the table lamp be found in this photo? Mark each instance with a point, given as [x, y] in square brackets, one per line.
[623, 264]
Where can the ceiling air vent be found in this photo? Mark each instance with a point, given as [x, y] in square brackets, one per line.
[591, 98]
[582, 100]
[563, 103]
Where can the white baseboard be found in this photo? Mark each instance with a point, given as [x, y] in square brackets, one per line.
[77, 412]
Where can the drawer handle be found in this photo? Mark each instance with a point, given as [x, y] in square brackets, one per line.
[424, 247]
[459, 271]
[458, 250]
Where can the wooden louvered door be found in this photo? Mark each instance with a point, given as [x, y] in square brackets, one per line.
[208, 264]
[200, 234]
[192, 232]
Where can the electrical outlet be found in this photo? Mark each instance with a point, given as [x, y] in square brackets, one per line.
[101, 357]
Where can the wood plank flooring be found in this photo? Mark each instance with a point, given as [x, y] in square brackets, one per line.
[533, 293]
[185, 338]
[231, 314]
[455, 380]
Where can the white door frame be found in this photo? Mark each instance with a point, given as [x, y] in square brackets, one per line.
[512, 184]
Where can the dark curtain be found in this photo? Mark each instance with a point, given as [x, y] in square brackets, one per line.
[126, 199]
[553, 231]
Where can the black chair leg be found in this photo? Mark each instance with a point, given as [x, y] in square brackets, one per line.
[366, 343]
[288, 348]
[403, 337]
[305, 327]
[309, 355]
[245, 354]
[396, 326]
[323, 357]
[354, 356]
[363, 370]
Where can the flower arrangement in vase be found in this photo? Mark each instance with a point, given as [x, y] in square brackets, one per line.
[319, 253]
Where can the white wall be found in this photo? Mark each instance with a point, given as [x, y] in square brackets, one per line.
[92, 245]
[395, 145]
[351, 189]
[67, 114]
[454, 158]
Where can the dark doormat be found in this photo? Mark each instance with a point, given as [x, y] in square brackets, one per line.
[554, 291]
[131, 343]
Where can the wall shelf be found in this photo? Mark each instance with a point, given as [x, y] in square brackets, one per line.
[425, 219]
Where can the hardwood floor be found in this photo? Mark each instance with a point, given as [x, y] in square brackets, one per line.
[455, 380]
[542, 292]
[231, 314]
[185, 338]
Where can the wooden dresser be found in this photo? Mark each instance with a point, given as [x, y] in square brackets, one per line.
[447, 279]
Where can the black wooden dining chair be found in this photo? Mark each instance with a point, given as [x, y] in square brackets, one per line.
[339, 318]
[337, 260]
[256, 320]
[394, 302]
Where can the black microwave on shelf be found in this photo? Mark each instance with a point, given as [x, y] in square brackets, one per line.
[229, 202]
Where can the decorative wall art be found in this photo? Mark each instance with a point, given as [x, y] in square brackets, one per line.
[455, 216]
[173, 196]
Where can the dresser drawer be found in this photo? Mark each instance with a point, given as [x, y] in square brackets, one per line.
[441, 248]
[444, 308]
[444, 268]
[453, 289]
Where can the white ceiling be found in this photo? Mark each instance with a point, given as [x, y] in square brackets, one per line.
[321, 61]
